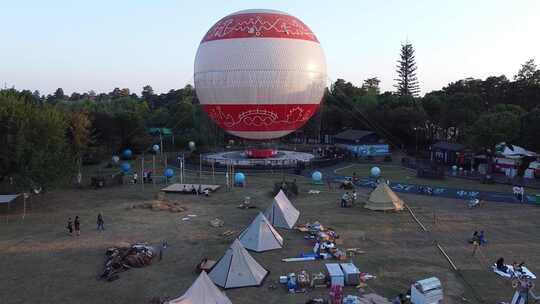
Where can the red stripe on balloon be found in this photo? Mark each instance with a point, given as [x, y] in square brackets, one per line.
[257, 117]
[259, 25]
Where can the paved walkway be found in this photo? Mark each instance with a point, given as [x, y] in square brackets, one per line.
[456, 193]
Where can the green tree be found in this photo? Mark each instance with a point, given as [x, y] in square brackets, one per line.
[59, 94]
[493, 128]
[33, 148]
[407, 82]
[526, 71]
[371, 86]
[530, 130]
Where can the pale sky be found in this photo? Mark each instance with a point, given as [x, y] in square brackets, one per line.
[100, 45]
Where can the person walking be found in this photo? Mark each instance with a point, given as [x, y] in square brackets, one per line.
[100, 222]
[70, 226]
[77, 223]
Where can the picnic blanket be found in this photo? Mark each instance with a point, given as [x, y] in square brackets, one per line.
[511, 273]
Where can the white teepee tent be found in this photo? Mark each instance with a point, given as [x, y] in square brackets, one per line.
[260, 235]
[237, 268]
[282, 213]
[203, 291]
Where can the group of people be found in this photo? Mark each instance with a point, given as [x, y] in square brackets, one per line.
[75, 225]
[516, 268]
[147, 177]
[196, 191]
[347, 198]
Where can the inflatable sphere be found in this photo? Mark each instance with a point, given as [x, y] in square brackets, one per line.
[169, 172]
[127, 153]
[191, 145]
[155, 148]
[454, 168]
[375, 171]
[316, 176]
[126, 167]
[239, 178]
[115, 159]
[260, 74]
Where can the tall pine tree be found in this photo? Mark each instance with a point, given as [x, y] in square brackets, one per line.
[407, 83]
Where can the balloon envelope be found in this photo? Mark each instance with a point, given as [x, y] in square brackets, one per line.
[155, 148]
[316, 176]
[127, 153]
[126, 167]
[375, 171]
[239, 178]
[169, 173]
[260, 74]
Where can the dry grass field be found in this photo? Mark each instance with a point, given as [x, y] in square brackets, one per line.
[41, 263]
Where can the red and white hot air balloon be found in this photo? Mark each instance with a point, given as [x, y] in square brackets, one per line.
[260, 74]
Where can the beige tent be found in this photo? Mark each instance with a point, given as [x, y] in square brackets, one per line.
[260, 235]
[383, 198]
[282, 213]
[203, 291]
[237, 268]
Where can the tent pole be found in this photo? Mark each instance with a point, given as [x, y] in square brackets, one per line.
[200, 168]
[142, 172]
[154, 170]
[24, 206]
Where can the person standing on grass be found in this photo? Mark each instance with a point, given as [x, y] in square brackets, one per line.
[162, 249]
[344, 200]
[70, 226]
[77, 226]
[100, 222]
[354, 197]
[475, 242]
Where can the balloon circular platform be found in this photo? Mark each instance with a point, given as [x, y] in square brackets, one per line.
[260, 74]
[279, 158]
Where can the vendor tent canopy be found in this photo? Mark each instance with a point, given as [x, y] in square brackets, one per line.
[203, 291]
[383, 198]
[282, 213]
[260, 235]
[8, 199]
[237, 268]
[513, 151]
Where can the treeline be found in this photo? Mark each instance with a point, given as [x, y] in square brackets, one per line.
[45, 138]
[478, 113]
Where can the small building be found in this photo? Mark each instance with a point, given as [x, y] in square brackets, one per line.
[362, 143]
[448, 153]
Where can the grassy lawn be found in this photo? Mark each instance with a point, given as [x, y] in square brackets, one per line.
[40, 263]
[396, 173]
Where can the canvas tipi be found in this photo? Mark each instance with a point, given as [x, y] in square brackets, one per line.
[203, 291]
[237, 268]
[282, 213]
[383, 198]
[260, 235]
